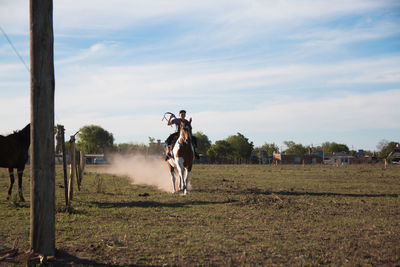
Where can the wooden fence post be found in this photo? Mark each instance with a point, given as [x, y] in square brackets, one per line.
[79, 168]
[42, 223]
[83, 161]
[72, 169]
[61, 142]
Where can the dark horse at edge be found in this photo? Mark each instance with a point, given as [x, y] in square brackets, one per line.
[14, 154]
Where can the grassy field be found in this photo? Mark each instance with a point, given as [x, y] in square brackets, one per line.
[235, 215]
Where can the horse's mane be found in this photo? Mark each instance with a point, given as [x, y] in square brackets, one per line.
[186, 124]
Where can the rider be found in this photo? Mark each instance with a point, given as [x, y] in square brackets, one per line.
[177, 121]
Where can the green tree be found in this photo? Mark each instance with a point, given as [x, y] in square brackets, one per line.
[94, 139]
[242, 148]
[130, 148]
[295, 149]
[353, 153]
[332, 147]
[270, 148]
[385, 147]
[220, 152]
[203, 143]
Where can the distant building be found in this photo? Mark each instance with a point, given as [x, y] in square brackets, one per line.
[297, 159]
[259, 156]
[340, 158]
[59, 159]
[94, 158]
[363, 158]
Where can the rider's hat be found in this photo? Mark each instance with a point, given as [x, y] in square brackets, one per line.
[182, 111]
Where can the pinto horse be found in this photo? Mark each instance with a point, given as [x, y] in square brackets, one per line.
[14, 154]
[183, 157]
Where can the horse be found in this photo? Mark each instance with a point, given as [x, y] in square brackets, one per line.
[183, 157]
[14, 154]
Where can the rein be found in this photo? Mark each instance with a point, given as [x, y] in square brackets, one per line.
[165, 118]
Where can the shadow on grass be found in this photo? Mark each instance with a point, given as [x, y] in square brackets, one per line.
[289, 193]
[154, 204]
[318, 194]
[258, 191]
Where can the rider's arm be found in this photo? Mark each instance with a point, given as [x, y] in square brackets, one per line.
[170, 121]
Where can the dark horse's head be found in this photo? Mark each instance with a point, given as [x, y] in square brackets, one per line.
[24, 136]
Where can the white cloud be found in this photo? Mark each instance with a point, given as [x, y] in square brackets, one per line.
[137, 84]
[352, 112]
[119, 14]
[254, 12]
[86, 55]
[125, 86]
[15, 113]
[14, 16]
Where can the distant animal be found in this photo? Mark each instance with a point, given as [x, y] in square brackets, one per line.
[14, 154]
[183, 157]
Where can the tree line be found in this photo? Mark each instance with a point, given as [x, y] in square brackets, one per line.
[237, 148]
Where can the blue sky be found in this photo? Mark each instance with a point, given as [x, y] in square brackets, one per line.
[305, 71]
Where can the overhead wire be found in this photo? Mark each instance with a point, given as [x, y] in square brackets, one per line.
[19, 56]
[15, 50]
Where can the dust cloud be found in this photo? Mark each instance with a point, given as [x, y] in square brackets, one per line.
[141, 170]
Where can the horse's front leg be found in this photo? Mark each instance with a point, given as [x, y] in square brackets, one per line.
[20, 174]
[183, 183]
[186, 190]
[11, 173]
[180, 169]
[173, 182]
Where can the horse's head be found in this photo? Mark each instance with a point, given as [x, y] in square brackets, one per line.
[186, 131]
[26, 135]
[27, 129]
[23, 137]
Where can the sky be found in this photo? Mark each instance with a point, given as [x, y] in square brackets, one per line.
[306, 71]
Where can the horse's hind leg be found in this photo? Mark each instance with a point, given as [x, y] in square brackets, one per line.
[172, 172]
[11, 173]
[173, 182]
[20, 174]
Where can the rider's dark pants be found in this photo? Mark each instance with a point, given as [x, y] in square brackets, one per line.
[171, 137]
[174, 135]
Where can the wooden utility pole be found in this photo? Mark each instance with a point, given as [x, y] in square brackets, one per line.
[42, 231]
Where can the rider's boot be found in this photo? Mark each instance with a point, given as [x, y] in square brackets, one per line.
[196, 155]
